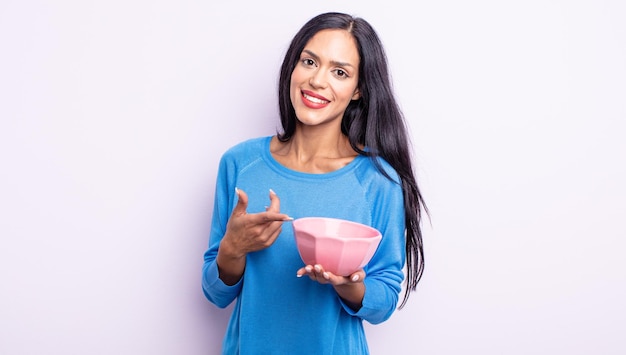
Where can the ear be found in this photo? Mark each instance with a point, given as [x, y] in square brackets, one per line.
[357, 94]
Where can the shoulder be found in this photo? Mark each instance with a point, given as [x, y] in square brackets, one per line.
[378, 171]
[248, 147]
[247, 150]
[244, 153]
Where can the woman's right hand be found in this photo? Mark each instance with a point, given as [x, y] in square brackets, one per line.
[247, 233]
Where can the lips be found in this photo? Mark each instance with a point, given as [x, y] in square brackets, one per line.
[312, 100]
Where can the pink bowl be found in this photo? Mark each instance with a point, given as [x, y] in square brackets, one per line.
[340, 246]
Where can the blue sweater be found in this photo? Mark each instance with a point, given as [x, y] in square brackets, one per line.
[276, 312]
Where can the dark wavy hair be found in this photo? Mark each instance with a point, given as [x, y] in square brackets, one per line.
[374, 121]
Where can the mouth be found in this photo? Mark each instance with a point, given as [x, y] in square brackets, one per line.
[314, 101]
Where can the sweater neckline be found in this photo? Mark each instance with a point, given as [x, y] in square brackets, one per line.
[274, 164]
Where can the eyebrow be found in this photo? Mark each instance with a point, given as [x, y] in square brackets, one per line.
[333, 62]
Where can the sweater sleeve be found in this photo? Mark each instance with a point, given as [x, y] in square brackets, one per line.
[384, 272]
[213, 287]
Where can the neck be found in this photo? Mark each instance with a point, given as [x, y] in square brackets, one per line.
[314, 150]
[313, 143]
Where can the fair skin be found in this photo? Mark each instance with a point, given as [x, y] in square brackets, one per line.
[322, 85]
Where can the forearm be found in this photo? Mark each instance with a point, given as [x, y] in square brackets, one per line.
[230, 263]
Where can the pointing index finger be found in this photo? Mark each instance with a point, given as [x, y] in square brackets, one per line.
[267, 217]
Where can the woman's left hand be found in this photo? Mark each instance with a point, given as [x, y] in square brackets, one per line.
[317, 273]
[350, 288]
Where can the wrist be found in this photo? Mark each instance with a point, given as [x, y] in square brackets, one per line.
[230, 263]
[229, 251]
[352, 294]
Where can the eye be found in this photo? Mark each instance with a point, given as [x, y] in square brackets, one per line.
[341, 73]
[308, 62]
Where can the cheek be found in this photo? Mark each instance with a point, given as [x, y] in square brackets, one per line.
[348, 92]
[293, 89]
[296, 77]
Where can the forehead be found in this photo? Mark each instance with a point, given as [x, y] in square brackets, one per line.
[334, 45]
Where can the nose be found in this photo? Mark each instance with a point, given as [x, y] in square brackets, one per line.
[318, 79]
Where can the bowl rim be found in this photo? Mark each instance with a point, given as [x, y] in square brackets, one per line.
[376, 232]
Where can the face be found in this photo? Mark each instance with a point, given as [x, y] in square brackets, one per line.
[325, 79]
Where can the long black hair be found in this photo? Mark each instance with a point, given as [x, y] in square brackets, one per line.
[374, 121]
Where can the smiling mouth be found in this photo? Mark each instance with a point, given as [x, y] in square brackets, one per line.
[314, 99]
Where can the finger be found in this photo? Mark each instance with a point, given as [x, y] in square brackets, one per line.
[301, 272]
[318, 268]
[274, 202]
[311, 273]
[273, 231]
[320, 273]
[267, 217]
[358, 276]
[242, 202]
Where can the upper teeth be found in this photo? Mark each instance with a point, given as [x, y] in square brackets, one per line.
[314, 99]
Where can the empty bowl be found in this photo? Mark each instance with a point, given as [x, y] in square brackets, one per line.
[340, 246]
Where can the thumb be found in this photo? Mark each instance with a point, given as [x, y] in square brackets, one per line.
[242, 202]
[274, 202]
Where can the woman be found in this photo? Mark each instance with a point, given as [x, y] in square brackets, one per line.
[343, 153]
